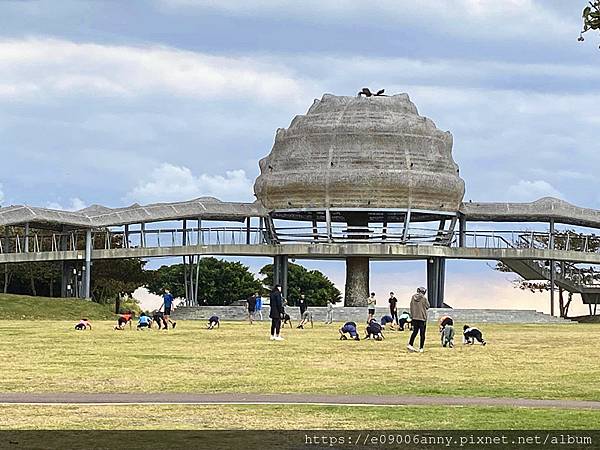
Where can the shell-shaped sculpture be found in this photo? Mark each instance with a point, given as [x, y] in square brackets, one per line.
[363, 153]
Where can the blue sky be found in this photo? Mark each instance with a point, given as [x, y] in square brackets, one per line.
[115, 102]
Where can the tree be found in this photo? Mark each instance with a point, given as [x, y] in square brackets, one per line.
[219, 282]
[312, 283]
[117, 277]
[591, 18]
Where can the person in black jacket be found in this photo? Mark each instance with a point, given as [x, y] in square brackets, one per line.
[276, 313]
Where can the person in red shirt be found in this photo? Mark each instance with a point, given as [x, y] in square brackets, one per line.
[123, 320]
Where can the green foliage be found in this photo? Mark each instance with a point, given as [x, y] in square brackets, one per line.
[591, 18]
[219, 282]
[117, 277]
[312, 283]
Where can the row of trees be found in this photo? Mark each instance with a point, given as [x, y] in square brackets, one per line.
[219, 282]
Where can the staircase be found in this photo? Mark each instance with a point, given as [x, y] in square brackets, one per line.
[571, 281]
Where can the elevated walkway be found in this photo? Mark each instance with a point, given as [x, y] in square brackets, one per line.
[359, 314]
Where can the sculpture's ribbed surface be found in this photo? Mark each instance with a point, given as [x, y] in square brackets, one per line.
[359, 152]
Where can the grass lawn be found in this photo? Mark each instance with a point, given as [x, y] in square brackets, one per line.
[194, 417]
[24, 307]
[529, 361]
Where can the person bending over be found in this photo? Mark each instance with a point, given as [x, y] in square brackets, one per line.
[159, 318]
[123, 320]
[472, 334]
[350, 329]
[374, 331]
[404, 319]
[83, 324]
[144, 322]
[447, 331]
[387, 320]
[306, 317]
[213, 322]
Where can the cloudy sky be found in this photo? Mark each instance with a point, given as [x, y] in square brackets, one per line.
[117, 102]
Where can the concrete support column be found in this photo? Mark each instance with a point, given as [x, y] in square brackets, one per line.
[356, 291]
[462, 230]
[26, 246]
[441, 282]
[436, 280]
[432, 281]
[357, 268]
[280, 273]
[87, 276]
[552, 267]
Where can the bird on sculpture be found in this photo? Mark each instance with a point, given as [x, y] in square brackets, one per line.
[367, 93]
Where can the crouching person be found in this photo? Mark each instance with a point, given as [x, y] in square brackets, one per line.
[472, 334]
[144, 322]
[83, 324]
[213, 322]
[350, 329]
[374, 331]
[404, 319]
[386, 321]
[447, 331]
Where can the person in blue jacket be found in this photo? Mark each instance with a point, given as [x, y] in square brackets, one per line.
[167, 305]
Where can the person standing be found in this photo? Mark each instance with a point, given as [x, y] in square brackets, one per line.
[393, 301]
[302, 303]
[167, 304]
[251, 301]
[276, 313]
[329, 318]
[418, 311]
[371, 303]
[259, 306]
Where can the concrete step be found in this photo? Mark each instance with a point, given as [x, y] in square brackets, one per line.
[359, 314]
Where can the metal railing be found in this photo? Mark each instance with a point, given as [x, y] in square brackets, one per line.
[336, 233]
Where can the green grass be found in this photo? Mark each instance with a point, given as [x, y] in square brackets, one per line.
[73, 417]
[24, 307]
[529, 361]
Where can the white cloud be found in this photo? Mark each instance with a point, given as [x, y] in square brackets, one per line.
[43, 68]
[527, 191]
[75, 204]
[489, 18]
[168, 183]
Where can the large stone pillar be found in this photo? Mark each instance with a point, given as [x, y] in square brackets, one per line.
[357, 267]
[280, 273]
[436, 279]
[357, 281]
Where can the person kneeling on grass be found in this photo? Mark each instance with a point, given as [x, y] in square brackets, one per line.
[213, 322]
[387, 320]
[144, 322]
[447, 331]
[306, 317]
[123, 320]
[472, 334]
[83, 325]
[349, 328]
[404, 319]
[374, 331]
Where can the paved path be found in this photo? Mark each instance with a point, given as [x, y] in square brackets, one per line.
[278, 399]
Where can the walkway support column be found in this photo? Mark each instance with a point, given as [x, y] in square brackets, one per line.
[432, 281]
[280, 273]
[87, 282]
[441, 282]
[356, 290]
[462, 230]
[26, 247]
[552, 267]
